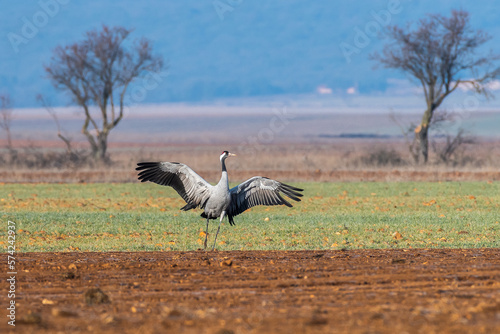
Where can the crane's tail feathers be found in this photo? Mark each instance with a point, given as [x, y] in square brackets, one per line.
[204, 215]
[190, 206]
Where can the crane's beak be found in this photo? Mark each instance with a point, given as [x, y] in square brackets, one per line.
[232, 155]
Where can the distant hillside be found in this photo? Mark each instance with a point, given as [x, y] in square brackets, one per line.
[218, 50]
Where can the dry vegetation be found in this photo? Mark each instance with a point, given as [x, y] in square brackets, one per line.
[337, 160]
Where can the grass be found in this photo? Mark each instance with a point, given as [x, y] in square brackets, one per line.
[133, 217]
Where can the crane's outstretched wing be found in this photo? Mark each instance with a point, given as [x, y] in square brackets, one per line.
[189, 185]
[260, 191]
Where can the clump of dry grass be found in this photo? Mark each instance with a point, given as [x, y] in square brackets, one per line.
[381, 157]
[40, 158]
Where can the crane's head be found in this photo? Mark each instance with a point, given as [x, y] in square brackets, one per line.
[226, 154]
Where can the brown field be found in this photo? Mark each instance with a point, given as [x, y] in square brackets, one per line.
[355, 291]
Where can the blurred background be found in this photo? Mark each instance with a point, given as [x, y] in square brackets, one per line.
[290, 82]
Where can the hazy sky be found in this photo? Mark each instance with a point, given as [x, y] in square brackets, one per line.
[229, 49]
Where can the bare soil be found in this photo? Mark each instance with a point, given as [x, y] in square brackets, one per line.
[352, 291]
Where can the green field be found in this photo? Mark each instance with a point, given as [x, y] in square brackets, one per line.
[133, 217]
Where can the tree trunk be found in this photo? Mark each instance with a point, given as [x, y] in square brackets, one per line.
[99, 141]
[422, 136]
[9, 138]
[102, 146]
[99, 148]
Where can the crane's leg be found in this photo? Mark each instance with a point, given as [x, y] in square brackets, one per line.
[218, 228]
[206, 236]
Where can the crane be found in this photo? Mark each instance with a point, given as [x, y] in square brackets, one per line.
[217, 201]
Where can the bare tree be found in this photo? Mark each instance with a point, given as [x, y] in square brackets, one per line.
[6, 117]
[97, 72]
[441, 55]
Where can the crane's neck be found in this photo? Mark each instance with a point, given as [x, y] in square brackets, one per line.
[224, 179]
[223, 162]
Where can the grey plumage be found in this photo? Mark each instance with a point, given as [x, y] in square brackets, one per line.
[217, 201]
[193, 189]
[259, 190]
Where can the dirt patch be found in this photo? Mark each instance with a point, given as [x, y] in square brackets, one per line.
[359, 291]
